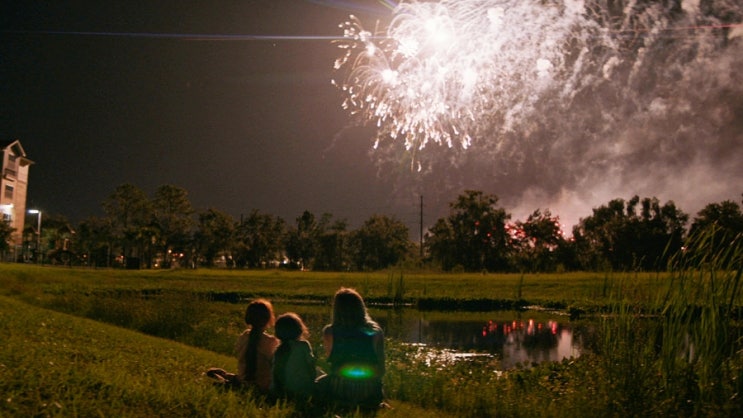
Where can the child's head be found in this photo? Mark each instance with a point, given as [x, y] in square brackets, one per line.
[259, 314]
[349, 309]
[289, 326]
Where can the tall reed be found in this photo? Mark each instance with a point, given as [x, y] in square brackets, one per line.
[700, 349]
[680, 353]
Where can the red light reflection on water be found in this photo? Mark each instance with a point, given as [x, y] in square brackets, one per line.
[529, 327]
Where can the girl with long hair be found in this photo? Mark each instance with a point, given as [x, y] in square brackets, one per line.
[255, 349]
[354, 345]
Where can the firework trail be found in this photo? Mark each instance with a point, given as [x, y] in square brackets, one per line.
[549, 95]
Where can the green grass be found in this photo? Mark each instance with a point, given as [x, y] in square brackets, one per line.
[56, 364]
[669, 344]
[587, 290]
[53, 364]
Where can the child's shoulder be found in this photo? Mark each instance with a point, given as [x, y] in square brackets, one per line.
[300, 344]
[270, 338]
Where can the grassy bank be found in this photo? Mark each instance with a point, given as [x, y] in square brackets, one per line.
[59, 365]
[683, 360]
[53, 364]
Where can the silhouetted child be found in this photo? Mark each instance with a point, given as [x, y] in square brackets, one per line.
[354, 344]
[255, 349]
[294, 370]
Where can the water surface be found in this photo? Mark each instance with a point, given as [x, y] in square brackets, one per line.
[511, 337]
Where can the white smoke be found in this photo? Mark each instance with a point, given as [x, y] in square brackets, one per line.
[645, 98]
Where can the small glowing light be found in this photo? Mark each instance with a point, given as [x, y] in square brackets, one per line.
[543, 67]
[495, 16]
[438, 33]
[469, 77]
[389, 76]
[357, 372]
[408, 46]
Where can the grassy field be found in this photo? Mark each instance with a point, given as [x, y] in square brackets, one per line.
[84, 342]
[585, 290]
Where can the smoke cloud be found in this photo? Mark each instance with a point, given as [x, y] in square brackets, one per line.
[652, 105]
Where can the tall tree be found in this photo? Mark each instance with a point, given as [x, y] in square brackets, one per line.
[173, 219]
[536, 242]
[441, 245]
[130, 214]
[6, 232]
[619, 237]
[213, 236]
[381, 242]
[94, 241]
[332, 253]
[258, 239]
[301, 240]
[658, 232]
[720, 225]
[475, 232]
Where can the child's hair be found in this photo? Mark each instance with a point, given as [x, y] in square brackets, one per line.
[289, 326]
[349, 310]
[259, 315]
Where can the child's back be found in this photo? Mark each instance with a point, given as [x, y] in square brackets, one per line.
[294, 369]
[265, 348]
[294, 363]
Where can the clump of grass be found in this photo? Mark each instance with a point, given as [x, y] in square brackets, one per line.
[167, 314]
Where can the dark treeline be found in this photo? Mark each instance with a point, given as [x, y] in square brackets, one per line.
[164, 231]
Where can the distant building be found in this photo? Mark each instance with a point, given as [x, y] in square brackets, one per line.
[13, 187]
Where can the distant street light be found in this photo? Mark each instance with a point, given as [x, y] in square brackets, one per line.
[38, 230]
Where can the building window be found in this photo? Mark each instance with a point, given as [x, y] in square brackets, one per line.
[12, 165]
[8, 192]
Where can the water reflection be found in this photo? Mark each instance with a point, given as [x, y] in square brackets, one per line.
[511, 341]
[509, 337]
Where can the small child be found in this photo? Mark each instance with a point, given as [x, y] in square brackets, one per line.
[255, 349]
[294, 369]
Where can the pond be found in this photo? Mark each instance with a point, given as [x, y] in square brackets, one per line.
[511, 337]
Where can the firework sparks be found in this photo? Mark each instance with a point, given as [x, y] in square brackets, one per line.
[453, 72]
[440, 69]
[555, 104]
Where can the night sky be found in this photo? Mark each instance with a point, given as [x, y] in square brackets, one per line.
[232, 101]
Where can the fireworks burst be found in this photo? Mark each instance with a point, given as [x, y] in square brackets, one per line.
[442, 69]
[556, 104]
[453, 72]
